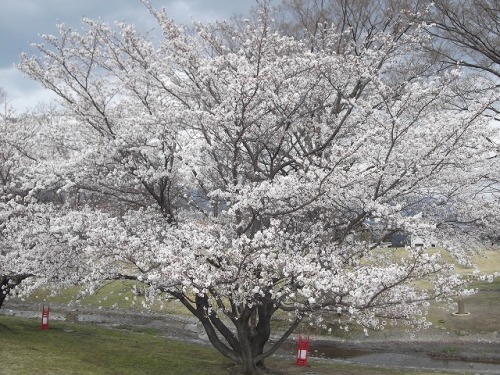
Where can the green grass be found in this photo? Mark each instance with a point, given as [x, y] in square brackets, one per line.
[71, 349]
[116, 294]
[483, 319]
[494, 286]
[488, 262]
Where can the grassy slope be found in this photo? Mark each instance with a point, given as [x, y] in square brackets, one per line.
[116, 294]
[68, 349]
[483, 306]
[71, 349]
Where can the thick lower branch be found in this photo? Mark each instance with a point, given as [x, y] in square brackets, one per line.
[275, 347]
[9, 282]
[200, 312]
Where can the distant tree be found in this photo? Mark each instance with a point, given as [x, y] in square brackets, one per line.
[244, 169]
[467, 34]
[357, 22]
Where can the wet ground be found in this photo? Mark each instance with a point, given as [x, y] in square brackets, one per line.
[474, 353]
[420, 355]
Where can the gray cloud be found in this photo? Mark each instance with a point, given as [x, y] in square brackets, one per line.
[21, 21]
[22, 92]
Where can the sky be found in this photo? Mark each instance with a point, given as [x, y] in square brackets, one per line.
[22, 21]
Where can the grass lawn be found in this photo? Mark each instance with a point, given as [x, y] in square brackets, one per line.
[70, 349]
[115, 294]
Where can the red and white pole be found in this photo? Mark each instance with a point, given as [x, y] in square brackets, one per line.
[302, 351]
[45, 318]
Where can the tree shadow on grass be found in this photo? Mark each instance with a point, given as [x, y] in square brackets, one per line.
[237, 369]
[4, 328]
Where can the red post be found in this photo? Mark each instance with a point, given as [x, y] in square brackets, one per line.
[45, 318]
[302, 351]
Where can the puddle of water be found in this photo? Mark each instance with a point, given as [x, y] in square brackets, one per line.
[423, 361]
[95, 318]
[417, 360]
[32, 314]
[420, 360]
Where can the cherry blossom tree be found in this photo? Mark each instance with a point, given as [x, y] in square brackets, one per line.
[249, 176]
[8, 280]
[28, 149]
[33, 253]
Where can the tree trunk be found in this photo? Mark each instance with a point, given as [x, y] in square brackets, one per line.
[246, 346]
[249, 366]
[2, 298]
[247, 356]
[262, 332]
[254, 331]
[4, 285]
